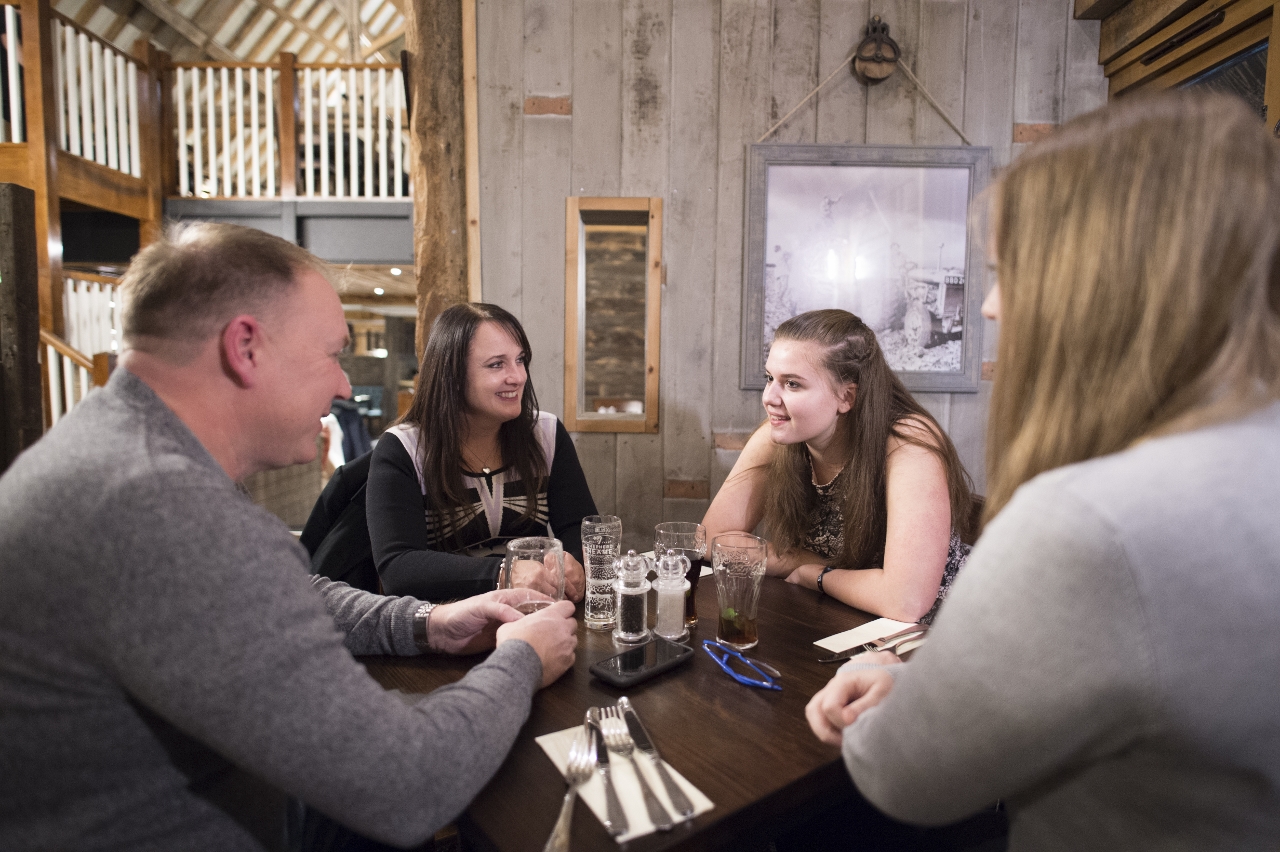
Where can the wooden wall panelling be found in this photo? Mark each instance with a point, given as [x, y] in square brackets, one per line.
[991, 37]
[646, 135]
[794, 69]
[891, 103]
[596, 170]
[1084, 86]
[42, 151]
[842, 103]
[546, 153]
[1137, 20]
[690, 209]
[500, 77]
[1039, 70]
[941, 70]
[745, 39]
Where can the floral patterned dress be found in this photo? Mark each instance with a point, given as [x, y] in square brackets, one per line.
[826, 538]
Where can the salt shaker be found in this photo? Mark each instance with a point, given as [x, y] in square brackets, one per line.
[632, 610]
[672, 586]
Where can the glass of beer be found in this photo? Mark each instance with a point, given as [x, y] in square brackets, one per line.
[738, 560]
[601, 545]
[534, 563]
[688, 540]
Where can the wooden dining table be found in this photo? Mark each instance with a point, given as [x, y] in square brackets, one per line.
[748, 749]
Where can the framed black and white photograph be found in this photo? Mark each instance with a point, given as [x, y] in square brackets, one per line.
[880, 231]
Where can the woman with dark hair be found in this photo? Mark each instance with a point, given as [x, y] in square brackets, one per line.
[862, 494]
[471, 465]
[1107, 665]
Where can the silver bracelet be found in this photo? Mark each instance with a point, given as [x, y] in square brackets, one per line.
[421, 621]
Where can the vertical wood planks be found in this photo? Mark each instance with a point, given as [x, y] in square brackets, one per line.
[1084, 86]
[891, 103]
[842, 103]
[690, 285]
[500, 80]
[596, 170]
[1038, 73]
[991, 41]
[794, 70]
[941, 70]
[646, 131]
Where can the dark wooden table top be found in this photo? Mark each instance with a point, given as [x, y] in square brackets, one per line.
[749, 750]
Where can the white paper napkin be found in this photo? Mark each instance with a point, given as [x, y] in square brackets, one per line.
[869, 632]
[622, 771]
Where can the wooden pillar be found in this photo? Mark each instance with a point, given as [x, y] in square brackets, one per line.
[153, 103]
[21, 415]
[288, 124]
[42, 150]
[433, 41]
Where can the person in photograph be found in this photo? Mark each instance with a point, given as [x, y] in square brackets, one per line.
[862, 494]
[1107, 663]
[472, 465]
[167, 668]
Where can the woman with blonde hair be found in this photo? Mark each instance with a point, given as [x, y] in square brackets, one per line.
[1107, 664]
[862, 494]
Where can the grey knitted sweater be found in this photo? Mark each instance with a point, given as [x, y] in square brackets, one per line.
[161, 642]
[1109, 660]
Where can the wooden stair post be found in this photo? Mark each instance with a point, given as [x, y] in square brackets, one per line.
[42, 148]
[158, 171]
[21, 415]
[288, 124]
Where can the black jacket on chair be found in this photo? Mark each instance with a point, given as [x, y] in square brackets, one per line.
[337, 534]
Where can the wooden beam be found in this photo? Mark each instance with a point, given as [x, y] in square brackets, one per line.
[187, 29]
[96, 185]
[471, 132]
[433, 41]
[288, 114]
[42, 153]
[1096, 10]
[21, 406]
[383, 40]
[1135, 21]
[155, 117]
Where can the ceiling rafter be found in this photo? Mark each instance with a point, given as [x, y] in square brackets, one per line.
[187, 29]
[298, 23]
[383, 40]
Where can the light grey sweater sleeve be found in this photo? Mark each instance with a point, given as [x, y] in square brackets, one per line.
[212, 624]
[1038, 662]
[372, 624]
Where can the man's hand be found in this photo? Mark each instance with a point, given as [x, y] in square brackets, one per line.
[553, 634]
[469, 626]
[575, 579]
[847, 696]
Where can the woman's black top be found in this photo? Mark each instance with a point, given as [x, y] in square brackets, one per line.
[415, 557]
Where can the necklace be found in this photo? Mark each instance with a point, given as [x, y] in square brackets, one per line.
[813, 476]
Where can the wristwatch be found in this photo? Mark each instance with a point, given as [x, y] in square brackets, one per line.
[823, 573]
[421, 620]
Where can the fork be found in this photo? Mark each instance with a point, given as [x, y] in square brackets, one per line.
[618, 738]
[581, 766]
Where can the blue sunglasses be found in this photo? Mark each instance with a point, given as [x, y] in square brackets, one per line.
[722, 653]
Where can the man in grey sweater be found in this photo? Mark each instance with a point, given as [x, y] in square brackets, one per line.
[162, 648]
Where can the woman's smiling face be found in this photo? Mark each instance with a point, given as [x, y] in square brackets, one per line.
[800, 395]
[496, 375]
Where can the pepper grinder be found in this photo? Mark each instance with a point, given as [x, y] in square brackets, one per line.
[671, 585]
[631, 588]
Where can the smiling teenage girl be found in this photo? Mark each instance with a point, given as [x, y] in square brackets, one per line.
[849, 472]
[472, 464]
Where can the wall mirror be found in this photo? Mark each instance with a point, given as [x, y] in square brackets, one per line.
[613, 284]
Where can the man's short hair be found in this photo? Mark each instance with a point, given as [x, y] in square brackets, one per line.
[184, 288]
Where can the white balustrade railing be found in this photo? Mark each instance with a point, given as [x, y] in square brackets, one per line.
[67, 374]
[219, 156]
[91, 311]
[12, 123]
[355, 132]
[96, 93]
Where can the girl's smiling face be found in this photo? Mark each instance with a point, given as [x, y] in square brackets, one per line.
[801, 396]
[496, 375]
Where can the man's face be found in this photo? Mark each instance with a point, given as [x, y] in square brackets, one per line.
[301, 377]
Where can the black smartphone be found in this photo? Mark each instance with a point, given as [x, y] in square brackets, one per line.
[641, 662]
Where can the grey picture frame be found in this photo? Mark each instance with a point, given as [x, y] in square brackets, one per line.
[902, 285]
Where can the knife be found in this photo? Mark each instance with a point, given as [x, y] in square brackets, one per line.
[617, 818]
[679, 800]
[876, 644]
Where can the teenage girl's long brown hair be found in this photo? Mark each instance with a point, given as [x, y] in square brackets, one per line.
[1140, 291]
[440, 406]
[882, 407]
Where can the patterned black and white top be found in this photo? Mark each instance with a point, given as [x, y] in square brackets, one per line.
[825, 537]
[417, 552]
